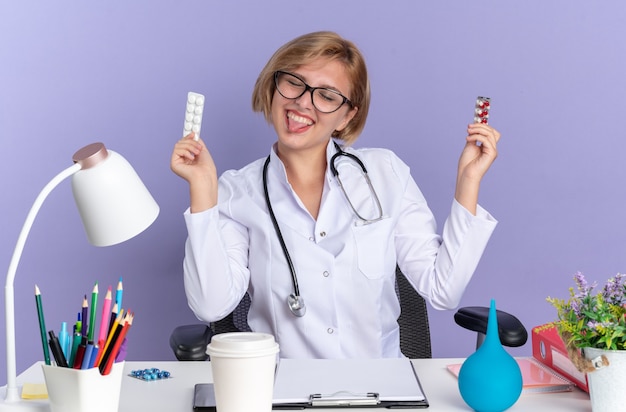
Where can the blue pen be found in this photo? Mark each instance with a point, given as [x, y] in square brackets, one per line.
[64, 338]
[94, 356]
[87, 355]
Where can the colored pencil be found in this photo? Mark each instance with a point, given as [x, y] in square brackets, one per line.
[104, 319]
[128, 322]
[117, 329]
[118, 293]
[42, 325]
[84, 316]
[112, 333]
[92, 318]
[114, 314]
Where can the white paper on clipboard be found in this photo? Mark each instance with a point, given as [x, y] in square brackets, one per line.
[392, 379]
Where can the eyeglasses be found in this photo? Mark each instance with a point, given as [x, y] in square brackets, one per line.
[324, 100]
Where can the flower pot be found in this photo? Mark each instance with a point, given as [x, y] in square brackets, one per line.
[606, 384]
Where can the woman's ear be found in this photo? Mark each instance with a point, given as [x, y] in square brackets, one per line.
[348, 116]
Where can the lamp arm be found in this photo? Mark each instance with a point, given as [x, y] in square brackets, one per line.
[12, 394]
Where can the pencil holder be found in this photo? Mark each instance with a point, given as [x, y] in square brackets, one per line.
[83, 390]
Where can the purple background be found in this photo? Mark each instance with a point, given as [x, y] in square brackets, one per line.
[72, 73]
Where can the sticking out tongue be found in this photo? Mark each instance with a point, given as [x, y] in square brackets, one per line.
[298, 124]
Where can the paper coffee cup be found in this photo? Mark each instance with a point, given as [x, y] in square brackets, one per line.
[243, 366]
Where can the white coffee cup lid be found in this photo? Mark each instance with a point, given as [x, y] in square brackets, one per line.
[242, 345]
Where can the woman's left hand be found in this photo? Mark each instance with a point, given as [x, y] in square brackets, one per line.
[474, 162]
[476, 159]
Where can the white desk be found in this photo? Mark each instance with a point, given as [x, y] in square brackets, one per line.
[176, 394]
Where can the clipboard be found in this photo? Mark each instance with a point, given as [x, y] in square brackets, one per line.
[339, 383]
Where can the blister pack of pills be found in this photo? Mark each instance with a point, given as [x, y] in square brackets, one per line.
[481, 110]
[150, 374]
[193, 114]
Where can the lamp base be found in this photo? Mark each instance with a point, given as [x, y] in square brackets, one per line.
[23, 405]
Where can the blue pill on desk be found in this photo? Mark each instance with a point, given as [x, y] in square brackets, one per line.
[150, 374]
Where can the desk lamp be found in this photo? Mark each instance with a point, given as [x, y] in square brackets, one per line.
[114, 206]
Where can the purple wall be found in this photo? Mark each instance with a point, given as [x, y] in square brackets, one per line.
[78, 73]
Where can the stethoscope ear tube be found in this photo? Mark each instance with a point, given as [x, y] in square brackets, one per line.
[335, 173]
[340, 152]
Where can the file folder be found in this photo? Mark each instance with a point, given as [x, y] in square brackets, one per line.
[536, 377]
[549, 349]
[319, 383]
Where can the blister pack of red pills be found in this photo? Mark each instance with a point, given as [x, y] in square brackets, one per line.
[481, 111]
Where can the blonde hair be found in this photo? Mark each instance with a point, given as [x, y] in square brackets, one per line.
[305, 49]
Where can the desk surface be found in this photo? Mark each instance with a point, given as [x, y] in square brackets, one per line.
[176, 394]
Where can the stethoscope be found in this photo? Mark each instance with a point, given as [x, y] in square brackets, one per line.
[295, 302]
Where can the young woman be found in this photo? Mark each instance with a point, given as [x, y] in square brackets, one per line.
[313, 232]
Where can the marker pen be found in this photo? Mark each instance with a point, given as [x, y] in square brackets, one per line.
[87, 355]
[57, 352]
[64, 339]
[94, 356]
[75, 344]
[80, 354]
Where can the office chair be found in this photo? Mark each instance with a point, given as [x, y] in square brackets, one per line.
[189, 342]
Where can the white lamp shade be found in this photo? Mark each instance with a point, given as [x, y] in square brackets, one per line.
[113, 202]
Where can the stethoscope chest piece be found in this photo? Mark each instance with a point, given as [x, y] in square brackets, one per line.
[296, 305]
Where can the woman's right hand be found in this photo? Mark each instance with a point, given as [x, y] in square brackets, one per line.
[192, 161]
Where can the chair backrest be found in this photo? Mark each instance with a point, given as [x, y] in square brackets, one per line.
[413, 320]
[236, 321]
